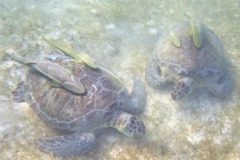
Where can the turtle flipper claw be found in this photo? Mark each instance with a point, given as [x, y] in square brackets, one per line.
[68, 145]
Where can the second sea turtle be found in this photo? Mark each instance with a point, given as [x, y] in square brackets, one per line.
[190, 56]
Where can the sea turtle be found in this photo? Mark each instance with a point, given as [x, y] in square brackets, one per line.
[105, 102]
[191, 55]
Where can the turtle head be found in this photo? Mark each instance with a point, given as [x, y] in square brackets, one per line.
[128, 124]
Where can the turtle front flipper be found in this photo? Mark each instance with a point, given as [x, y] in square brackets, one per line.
[182, 88]
[223, 86]
[155, 75]
[127, 124]
[78, 57]
[75, 144]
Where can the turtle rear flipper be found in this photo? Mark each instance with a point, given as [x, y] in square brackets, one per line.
[68, 145]
[18, 93]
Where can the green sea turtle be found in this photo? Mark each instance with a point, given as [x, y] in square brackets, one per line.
[105, 102]
[191, 56]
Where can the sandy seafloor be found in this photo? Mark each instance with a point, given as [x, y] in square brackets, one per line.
[121, 36]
